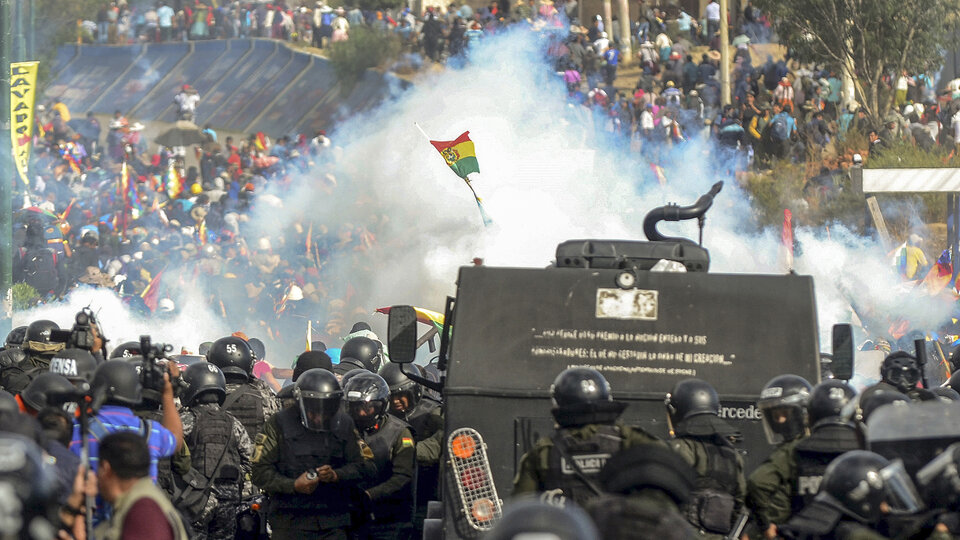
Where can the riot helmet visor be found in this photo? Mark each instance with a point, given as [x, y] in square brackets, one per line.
[899, 491]
[317, 409]
[782, 421]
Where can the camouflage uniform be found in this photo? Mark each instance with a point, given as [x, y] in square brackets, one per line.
[217, 521]
[270, 403]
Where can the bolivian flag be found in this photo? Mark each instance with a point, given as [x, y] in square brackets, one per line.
[459, 154]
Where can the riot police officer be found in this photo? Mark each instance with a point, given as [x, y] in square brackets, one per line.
[426, 422]
[588, 433]
[900, 371]
[364, 349]
[19, 366]
[367, 398]
[36, 396]
[831, 435]
[15, 338]
[705, 441]
[783, 402]
[220, 449]
[249, 399]
[857, 490]
[307, 458]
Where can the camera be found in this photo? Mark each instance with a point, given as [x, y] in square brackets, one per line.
[84, 334]
[152, 370]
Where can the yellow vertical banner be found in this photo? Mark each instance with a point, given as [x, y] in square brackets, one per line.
[23, 89]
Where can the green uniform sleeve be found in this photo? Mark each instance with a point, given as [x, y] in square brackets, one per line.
[635, 437]
[528, 478]
[430, 449]
[768, 488]
[266, 454]
[181, 461]
[404, 457]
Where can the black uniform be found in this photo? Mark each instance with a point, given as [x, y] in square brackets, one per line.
[392, 490]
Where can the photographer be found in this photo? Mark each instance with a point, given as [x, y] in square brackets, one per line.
[117, 384]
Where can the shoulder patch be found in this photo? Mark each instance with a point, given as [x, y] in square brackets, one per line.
[365, 449]
[406, 442]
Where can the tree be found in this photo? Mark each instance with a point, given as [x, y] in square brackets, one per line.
[866, 39]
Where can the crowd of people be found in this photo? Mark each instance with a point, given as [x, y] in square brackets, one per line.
[129, 442]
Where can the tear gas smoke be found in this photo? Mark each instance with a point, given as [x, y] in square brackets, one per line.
[547, 176]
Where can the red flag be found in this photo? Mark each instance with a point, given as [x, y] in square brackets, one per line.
[151, 293]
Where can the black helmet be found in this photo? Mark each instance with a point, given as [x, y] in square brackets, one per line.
[649, 466]
[367, 396]
[582, 396]
[39, 331]
[318, 395]
[858, 482]
[15, 337]
[77, 365]
[828, 399]
[202, 378]
[36, 395]
[126, 350]
[364, 349]
[233, 356]
[691, 397]
[259, 349]
[309, 360]
[783, 402]
[900, 369]
[405, 393]
[875, 397]
[345, 377]
[8, 403]
[579, 386]
[945, 393]
[119, 382]
[535, 519]
[28, 488]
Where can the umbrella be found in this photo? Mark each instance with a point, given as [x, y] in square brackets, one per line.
[37, 212]
[84, 128]
[742, 39]
[183, 133]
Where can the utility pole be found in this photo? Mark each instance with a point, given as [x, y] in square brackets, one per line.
[724, 54]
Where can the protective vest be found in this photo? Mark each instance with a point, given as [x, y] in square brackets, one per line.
[143, 489]
[208, 441]
[399, 506]
[712, 502]
[588, 457]
[301, 450]
[245, 403]
[813, 454]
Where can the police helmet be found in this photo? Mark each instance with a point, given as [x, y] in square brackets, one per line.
[691, 397]
[203, 378]
[8, 403]
[77, 365]
[28, 490]
[345, 377]
[828, 399]
[945, 393]
[649, 466]
[900, 369]
[364, 349]
[783, 402]
[39, 331]
[858, 482]
[318, 395]
[15, 337]
[579, 386]
[126, 350]
[119, 382]
[233, 356]
[37, 394]
[368, 397]
[259, 349]
[876, 397]
[535, 519]
[405, 393]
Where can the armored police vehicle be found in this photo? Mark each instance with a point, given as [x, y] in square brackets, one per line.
[645, 314]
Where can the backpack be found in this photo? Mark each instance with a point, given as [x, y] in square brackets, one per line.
[779, 129]
[39, 266]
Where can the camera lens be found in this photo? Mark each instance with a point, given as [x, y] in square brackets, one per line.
[82, 319]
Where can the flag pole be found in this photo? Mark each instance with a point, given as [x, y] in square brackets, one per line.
[422, 132]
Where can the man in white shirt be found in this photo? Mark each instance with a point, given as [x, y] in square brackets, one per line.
[712, 12]
[165, 19]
